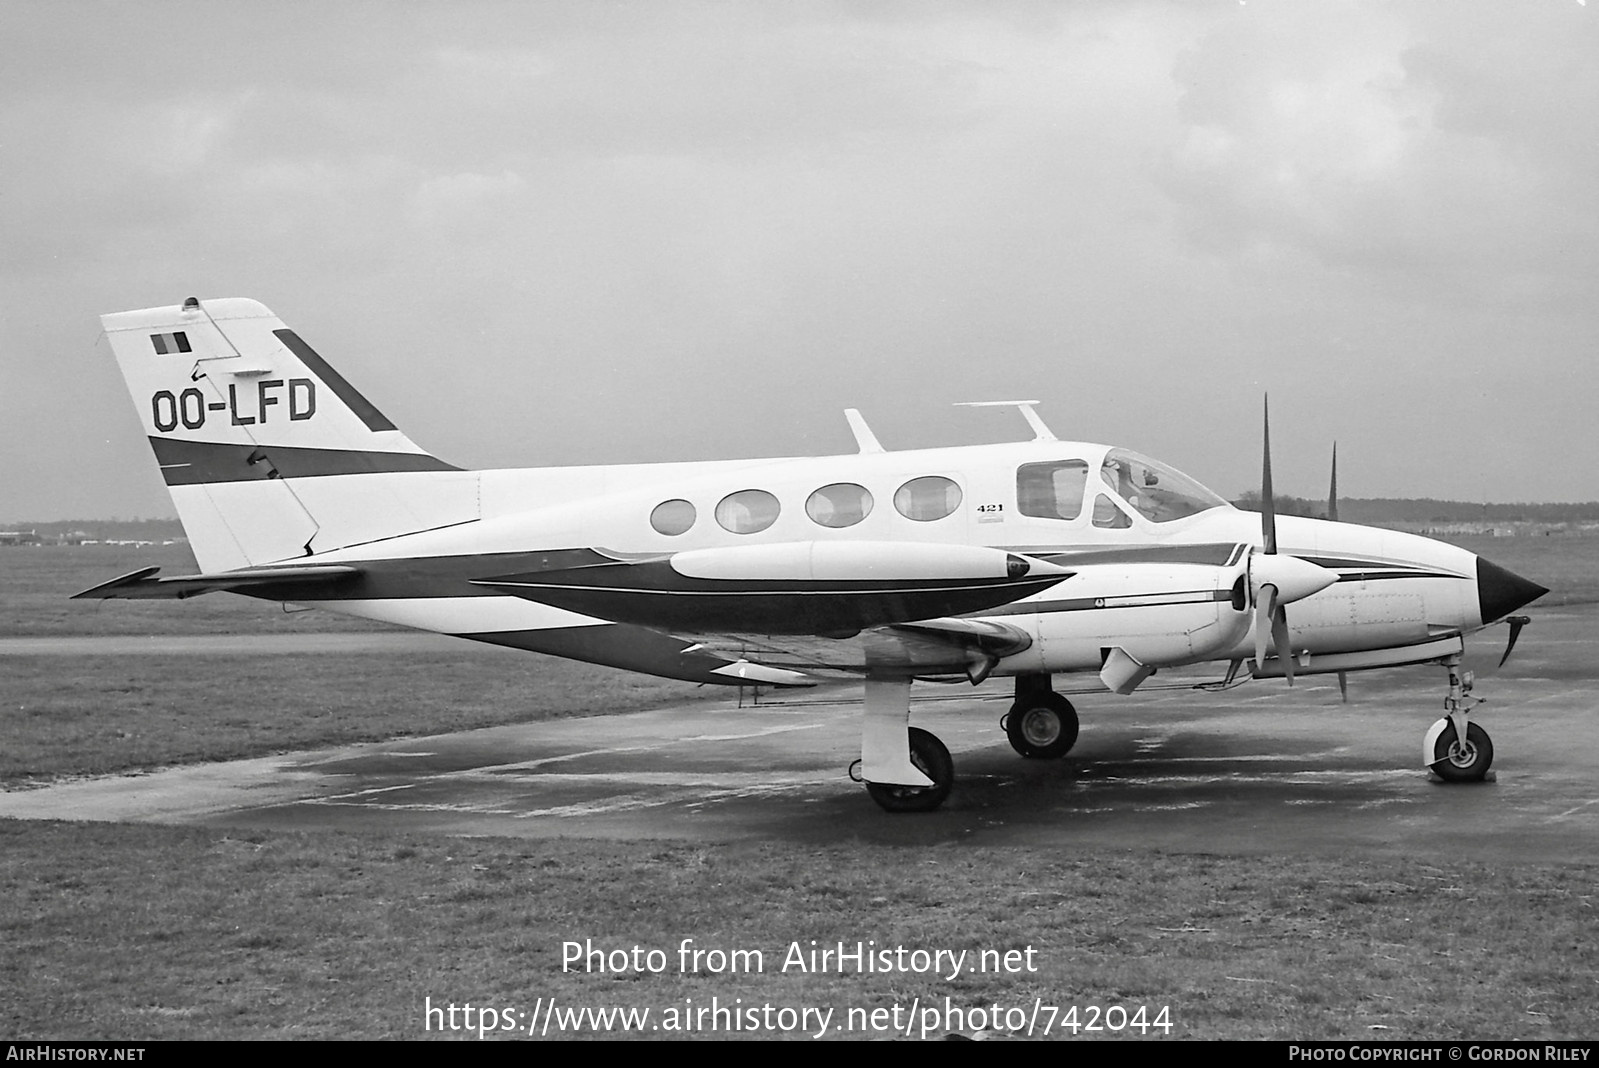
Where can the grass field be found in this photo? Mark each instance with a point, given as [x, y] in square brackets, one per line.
[158, 933]
[130, 932]
[122, 713]
[1566, 563]
[38, 583]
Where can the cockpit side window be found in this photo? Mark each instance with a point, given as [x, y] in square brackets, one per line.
[1158, 493]
[1107, 515]
[1051, 490]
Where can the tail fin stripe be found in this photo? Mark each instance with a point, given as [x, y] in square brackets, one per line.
[189, 463]
[365, 409]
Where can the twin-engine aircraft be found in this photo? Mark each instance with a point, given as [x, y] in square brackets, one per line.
[1026, 560]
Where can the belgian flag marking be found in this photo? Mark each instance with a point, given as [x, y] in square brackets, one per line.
[166, 344]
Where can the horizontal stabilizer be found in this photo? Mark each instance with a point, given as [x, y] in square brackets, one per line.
[142, 584]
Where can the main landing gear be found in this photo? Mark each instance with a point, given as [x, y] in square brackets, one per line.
[907, 769]
[1455, 750]
[931, 758]
[1041, 724]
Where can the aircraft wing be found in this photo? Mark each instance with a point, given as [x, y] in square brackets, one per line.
[952, 645]
[834, 607]
[821, 589]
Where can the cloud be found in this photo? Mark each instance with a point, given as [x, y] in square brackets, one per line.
[707, 213]
[468, 200]
[1388, 147]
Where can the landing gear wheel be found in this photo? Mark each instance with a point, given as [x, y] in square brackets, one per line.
[932, 760]
[1042, 727]
[1455, 762]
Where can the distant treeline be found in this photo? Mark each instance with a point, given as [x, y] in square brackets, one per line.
[1389, 510]
[1379, 511]
[104, 529]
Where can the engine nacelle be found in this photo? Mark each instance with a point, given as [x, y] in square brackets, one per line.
[1160, 615]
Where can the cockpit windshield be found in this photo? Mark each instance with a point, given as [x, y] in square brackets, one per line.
[1157, 492]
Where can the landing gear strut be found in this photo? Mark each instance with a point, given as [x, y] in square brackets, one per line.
[933, 760]
[1041, 724]
[905, 768]
[1458, 751]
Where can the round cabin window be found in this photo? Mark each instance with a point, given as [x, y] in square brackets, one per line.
[673, 517]
[747, 511]
[843, 504]
[927, 498]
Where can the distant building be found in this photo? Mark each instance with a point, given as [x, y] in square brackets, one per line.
[19, 537]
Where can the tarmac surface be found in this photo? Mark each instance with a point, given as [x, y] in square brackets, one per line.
[1256, 769]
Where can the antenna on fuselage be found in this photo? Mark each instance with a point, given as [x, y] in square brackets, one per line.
[1040, 431]
[864, 438]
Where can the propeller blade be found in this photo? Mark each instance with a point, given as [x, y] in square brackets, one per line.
[1265, 608]
[1268, 503]
[1516, 623]
[1343, 686]
[1284, 643]
[1332, 489]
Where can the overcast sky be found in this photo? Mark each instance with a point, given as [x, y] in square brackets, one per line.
[558, 233]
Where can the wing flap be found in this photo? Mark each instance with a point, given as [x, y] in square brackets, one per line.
[950, 646]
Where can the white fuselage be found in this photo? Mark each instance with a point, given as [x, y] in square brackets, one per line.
[1395, 589]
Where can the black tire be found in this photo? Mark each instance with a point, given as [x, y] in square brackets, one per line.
[931, 759]
[1468, 763]
[1042, 726]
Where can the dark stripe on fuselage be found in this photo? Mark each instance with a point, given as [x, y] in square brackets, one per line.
[1090, 604]
[1380, 568]
[365, 409]
[1212, 554]
[457, 576]
[1374, 576]
[191, 463]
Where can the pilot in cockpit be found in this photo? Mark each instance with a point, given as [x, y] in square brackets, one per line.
[1118, 474]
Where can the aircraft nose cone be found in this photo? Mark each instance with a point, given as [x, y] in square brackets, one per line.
[1501, 592]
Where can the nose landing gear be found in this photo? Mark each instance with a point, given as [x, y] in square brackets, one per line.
[1455, 750]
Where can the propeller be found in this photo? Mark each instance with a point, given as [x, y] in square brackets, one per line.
[1482, 660]
[1332, 489]
[1276, 580]
[1332, 517]
[1516, 623]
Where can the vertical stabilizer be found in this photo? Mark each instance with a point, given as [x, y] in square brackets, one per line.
[268, 452]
